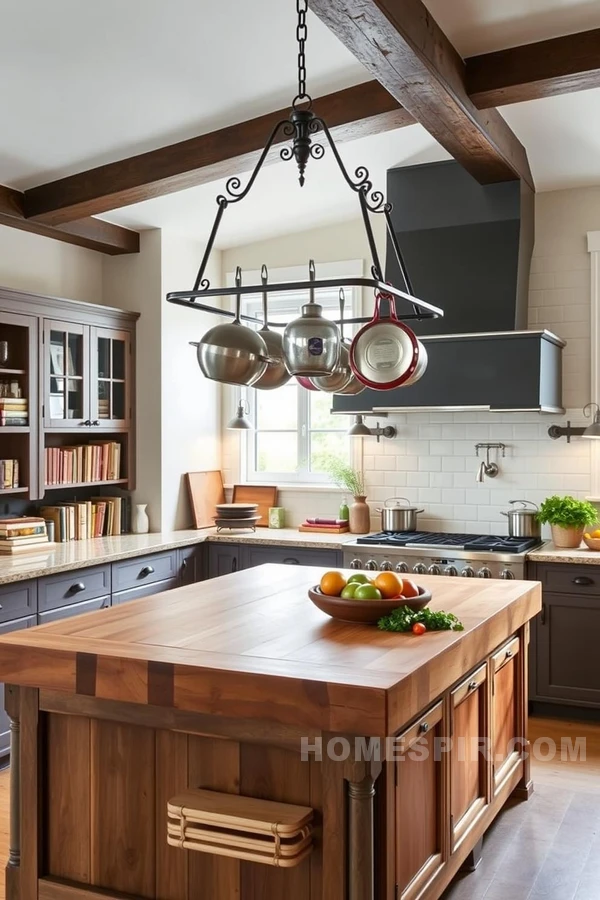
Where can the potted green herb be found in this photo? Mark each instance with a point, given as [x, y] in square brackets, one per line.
[352, 480]
[567, 518]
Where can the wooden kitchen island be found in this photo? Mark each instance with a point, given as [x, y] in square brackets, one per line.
[216, 686]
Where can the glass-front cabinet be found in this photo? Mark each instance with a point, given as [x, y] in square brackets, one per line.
[86, 376]
[111, 357]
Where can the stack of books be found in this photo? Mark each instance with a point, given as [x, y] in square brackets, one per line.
[325, 526]
[103, 409]
[9, 473]
[84, 463]
[85, 519]
[23, 535]
[13, 411]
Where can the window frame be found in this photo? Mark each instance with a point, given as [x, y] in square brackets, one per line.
[302, 477]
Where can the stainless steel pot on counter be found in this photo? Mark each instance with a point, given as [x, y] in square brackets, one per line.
[523, 521]
[398, 518]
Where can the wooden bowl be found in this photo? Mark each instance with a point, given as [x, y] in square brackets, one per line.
[592, 543]
[369, 612]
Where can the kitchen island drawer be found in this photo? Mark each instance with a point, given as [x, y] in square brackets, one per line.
[133, 573]
[57, 591]
[144, 590]
[18, 600]
[289, 556]
[563, 578]
[74, 609]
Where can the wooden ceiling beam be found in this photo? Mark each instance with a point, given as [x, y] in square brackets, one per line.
[558, 66]
[94, 234]
[352, 113]
[408, 53]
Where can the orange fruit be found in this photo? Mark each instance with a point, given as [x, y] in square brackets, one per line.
[332, 584]
[389, 585]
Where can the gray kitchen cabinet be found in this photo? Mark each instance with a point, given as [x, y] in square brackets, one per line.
[565, 637]
[66, 588]
[144, 570]
[256, 555]
[144, 590]
[18, 600]
[222, 559]
[5, 628]
[189, 564]
[73, 609]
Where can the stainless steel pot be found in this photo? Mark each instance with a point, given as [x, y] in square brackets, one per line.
[233, 354]
[343, 375]
[276, 374]
[523, 521]
[398, 518]
[311, 344]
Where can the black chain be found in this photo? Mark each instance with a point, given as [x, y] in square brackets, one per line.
[301, 35]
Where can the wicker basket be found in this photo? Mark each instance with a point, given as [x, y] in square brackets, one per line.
[275, 834]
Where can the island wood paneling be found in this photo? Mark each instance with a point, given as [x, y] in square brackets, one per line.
[123, 808]
[171, 779]
[274, 774]
[213, 764]
[68, 801]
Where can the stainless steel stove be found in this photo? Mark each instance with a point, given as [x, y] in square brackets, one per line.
[437, 553]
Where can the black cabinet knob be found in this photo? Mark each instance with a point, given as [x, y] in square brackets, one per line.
[424, 727]
[583, 580]
[291, 561]
[147, 570]
[473, 685]
[95, 422]
[87, 423]
[77, 588]
[234, 564]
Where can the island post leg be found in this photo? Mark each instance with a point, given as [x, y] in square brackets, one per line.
[14, 840]
[361, 778]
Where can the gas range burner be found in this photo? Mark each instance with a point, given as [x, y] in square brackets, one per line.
[439, 540]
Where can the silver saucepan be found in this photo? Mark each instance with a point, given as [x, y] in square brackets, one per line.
[398, 518]
[523, 521]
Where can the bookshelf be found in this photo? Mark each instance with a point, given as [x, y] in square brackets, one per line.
[74, 367]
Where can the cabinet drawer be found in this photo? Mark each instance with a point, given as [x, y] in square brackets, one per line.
[506, 653]
[74, 609]
[145, 590]
[290, 556]
[56, 591]
[18, 600]
[144, 570]
[567, 579]
[423, 726]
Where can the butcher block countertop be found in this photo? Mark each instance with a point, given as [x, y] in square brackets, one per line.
[251, 645]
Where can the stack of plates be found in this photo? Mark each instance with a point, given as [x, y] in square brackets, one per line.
[236, 515]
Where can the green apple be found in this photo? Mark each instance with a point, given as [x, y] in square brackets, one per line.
[359, 578]
[367, 592]
[349, 591]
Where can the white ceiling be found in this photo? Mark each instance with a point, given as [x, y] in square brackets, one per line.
[85, 83]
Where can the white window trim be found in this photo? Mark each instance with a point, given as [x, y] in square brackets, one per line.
[350, 268]
[593, 244]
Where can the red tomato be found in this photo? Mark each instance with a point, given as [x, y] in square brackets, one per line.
[409, 588]
[419, 628]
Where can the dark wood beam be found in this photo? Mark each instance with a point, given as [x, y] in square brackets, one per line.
[94, 234]
[351, 113]
[405, 49]
[558, 66]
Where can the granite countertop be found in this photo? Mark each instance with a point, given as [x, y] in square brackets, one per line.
[66, 557]
[549, 553]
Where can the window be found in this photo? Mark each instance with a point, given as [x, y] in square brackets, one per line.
[294, 431]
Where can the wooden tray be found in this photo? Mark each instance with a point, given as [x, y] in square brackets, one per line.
[275, 834]
[264, 495]
[205, 490]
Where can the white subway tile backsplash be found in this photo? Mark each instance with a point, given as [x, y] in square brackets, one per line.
[454, 464]
[441, 448]
[430, 463]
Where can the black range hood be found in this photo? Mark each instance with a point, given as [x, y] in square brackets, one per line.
[467, 248]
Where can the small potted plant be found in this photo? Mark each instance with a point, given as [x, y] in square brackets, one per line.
[352, 480]
[567, 518]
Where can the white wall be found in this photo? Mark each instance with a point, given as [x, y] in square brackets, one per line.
[433, 460]
[29, 262]
[190, 402]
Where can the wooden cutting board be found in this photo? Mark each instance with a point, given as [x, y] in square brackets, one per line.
[205, 490]
[265, 495]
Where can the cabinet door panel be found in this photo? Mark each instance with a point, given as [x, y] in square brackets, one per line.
[6, 628]
[189, 565]
[568, 635]
[223, 559]
[110, 401]
[469, 791]
[420, 823]
[506, 711]
[66, 374]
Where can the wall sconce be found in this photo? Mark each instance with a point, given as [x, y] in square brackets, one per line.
[592, 431]
[359, 429]
[240, 421]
